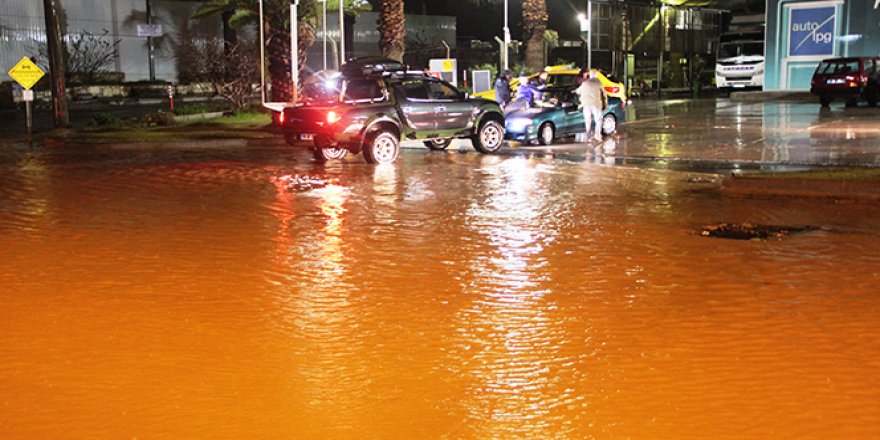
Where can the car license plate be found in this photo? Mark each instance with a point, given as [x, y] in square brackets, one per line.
[306, 136]
[834, 81]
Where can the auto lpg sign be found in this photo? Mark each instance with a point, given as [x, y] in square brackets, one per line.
[812, 31]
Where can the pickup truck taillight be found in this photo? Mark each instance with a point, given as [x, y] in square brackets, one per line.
[332, 117]
[279, 118]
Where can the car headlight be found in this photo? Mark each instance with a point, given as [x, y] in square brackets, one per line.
[518, 125]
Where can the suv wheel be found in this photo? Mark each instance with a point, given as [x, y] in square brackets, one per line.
[609, 124]
[489, 137]
[325, 154]
[381, 147]
[438, 144]
[546, 133]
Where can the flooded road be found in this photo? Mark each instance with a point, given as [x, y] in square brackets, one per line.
[252, 293]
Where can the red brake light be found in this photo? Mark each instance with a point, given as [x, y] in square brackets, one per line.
[332, 117]
[612, 89]
[281, 117]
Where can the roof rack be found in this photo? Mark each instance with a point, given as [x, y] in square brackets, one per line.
[367, 66]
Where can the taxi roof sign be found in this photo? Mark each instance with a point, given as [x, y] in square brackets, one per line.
[26, 73]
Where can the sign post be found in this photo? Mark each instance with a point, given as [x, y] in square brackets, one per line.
[26, 74]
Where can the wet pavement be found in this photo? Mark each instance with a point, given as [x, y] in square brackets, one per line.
[253, 293]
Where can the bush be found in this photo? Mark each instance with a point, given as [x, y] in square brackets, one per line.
[159, 119]
[103, 119]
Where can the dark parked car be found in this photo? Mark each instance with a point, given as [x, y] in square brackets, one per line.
[848, 78]
[559, 117]
[376, 102]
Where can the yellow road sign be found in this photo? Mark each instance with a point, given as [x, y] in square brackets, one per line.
[448, 65]
[26, 73]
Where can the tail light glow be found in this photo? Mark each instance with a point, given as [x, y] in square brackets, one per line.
[332, 117]
[281, 118]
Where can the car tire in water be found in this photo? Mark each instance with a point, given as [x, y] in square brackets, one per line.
[489, 137]
[609, 124]
[381, 147]
[824, 101]
[325, 154]
[546, 133]
[438, 144]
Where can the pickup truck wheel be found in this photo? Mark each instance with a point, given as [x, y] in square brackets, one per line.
[489, 137]
[438, 144]
[609, 124]
[546, 133]
[381, 147]
[325, 154]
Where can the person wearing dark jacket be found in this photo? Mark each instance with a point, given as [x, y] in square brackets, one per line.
[502, 88]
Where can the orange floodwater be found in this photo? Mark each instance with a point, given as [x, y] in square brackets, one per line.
[205, 294]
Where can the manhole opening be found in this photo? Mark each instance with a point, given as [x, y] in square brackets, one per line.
[748, 231]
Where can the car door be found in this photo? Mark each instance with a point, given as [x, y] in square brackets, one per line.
[418, 111]
[453, 111]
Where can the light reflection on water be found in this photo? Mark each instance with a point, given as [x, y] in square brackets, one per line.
[449, 295]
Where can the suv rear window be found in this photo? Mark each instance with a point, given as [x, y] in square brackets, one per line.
[839, 66]
[364, 90]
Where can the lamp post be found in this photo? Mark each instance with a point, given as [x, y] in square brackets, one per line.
[324, 29]
[505, 52]
[585, 36]
[341, 33]
[294, 47]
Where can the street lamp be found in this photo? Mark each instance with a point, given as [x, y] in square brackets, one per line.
[506, 52]
[324, 29]
[586, 36]
[341, 33]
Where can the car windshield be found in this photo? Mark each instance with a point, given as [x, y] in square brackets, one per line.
[839, 66]
[741, 48]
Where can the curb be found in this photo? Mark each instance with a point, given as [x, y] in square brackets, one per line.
[817, 188]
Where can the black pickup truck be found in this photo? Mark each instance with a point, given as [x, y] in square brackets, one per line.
[376, 102]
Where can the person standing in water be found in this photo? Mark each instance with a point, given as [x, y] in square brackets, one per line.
[593, 102]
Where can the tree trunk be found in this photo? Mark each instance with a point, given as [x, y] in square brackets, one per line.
[392, 30]
[56, 63]
[534, 25]
[307, 37]
[278, 55]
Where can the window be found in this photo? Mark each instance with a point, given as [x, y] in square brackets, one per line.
[414, 89]
[562, 80]
[832, 67]
[870, 65]
[439, 90]
[363, 90]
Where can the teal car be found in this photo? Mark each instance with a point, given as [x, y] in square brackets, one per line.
[558, 116]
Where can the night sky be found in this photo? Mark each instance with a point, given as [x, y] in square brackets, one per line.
[485, 21]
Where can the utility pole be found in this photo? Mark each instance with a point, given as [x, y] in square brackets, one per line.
[341, 33]
[56, 64]
[505, 51]
[150, 48]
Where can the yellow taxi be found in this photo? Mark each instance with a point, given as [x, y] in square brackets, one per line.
[561, 76]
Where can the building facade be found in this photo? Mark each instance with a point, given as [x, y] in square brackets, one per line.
[799, 34]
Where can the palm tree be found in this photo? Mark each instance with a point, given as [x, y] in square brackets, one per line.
[392, 29]
[534, 24]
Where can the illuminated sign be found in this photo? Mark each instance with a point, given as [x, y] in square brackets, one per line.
[812, 31]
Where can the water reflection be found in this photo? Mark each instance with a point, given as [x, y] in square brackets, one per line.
[510, 347]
